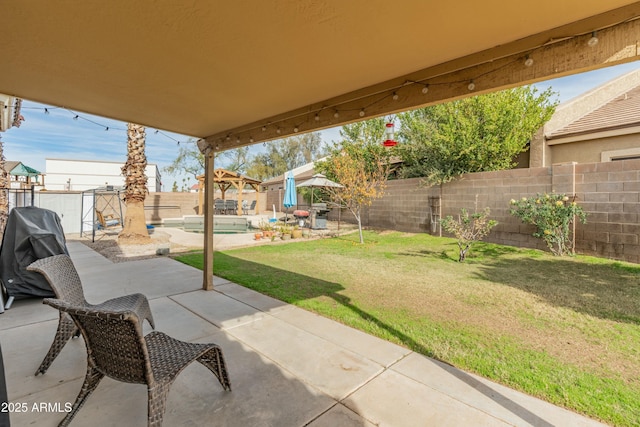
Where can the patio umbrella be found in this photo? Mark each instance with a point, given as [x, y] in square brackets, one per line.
[318, 181]
[290, 195]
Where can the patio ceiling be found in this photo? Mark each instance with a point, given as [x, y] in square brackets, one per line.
[240, 72]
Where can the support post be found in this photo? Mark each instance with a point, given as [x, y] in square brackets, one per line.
[207, 280]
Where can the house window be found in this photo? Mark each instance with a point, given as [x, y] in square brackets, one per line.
[628, 154]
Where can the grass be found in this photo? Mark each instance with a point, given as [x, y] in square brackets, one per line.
[563, 329]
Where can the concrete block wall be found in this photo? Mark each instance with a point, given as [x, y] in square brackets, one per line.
[609, 193]
[169, 205]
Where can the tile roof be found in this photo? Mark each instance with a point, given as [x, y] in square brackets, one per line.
[620, 112]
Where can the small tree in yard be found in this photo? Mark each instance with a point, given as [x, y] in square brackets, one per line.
[553, 215]
[362, 170]
[468, 228]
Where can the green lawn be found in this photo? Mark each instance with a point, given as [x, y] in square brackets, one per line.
[564, 329]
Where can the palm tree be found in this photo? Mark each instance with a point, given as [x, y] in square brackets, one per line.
[4, 188]
[134, 229]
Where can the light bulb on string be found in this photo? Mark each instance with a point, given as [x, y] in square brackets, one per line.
[395, 96]
[264, 128]
[471, 86]
[295, 129]
[425, 89]
[317, 117]
[106, 129]
[336, 114]
[528, 62]
[593, 40]
[76, 117]
[46, 111]
[361, 113]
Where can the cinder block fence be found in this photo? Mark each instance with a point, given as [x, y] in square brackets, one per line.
[608, 192]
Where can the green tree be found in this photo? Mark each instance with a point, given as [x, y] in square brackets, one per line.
[190, 161]
[481, 133]
[365, 132]
[285, 154]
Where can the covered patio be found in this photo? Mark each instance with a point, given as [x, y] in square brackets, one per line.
[233, 74]
[242, 73]
[288, 367]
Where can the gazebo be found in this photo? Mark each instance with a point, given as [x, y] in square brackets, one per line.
[225, 179]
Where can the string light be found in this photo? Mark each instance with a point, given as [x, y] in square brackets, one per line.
[424, 89]
[528, 62]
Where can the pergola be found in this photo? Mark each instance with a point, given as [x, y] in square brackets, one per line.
[224, 180]
[238, 73]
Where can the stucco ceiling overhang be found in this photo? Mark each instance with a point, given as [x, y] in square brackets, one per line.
[238, 72]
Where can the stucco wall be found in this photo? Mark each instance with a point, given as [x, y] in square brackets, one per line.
[590, 151]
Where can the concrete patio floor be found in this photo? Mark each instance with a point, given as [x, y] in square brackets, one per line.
[288, 367]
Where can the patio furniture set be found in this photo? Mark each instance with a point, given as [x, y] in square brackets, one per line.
[115, 343]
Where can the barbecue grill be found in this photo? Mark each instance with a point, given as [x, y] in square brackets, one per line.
[301, 217]
[319, 213]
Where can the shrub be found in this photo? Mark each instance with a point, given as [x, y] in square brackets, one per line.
[553, 215]
[468, 228]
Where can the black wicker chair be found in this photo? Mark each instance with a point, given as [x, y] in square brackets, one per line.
[65, 282]
[117, 348]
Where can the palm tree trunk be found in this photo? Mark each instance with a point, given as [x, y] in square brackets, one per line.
[4, 192]
[134, 229]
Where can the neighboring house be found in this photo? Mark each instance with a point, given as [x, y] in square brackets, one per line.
[22, 176]
[601, 125]
[274, 187]
[81, 175]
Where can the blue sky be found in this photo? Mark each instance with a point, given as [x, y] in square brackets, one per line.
[58, 135]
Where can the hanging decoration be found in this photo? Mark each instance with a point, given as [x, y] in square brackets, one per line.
[389, 131]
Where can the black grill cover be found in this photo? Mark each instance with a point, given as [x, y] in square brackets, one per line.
[31, 234]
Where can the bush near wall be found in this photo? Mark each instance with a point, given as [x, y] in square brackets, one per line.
[608, 192]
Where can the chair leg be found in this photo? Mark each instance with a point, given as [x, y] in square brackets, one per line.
[66, 329]
[156, 405]
[214, 361]
[91, 381]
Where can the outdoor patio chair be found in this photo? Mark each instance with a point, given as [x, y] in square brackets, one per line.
[106, 221]
[246, 207]
[65, 282]
[219, 206]
[231, 206]
[117, 348]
